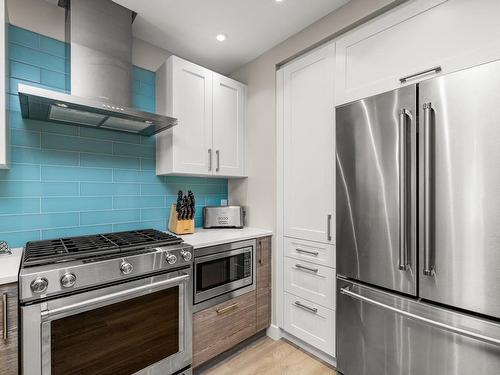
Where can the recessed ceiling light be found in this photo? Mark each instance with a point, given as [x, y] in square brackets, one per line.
[279, 1]
[221, 37]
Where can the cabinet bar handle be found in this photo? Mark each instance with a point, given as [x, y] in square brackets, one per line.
[300, 267]
[5, 317]
[209, 159]
[329, 227]
[436, 69]
[310, 309]
[428, 268]
[217, 153]
[227, 309]
[260, 252]
[315, 253]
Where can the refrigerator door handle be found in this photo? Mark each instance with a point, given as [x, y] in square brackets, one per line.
[404, 115]
[428, 268]
[463, 332]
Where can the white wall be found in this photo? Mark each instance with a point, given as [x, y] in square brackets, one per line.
[258, 191]
[46, 18]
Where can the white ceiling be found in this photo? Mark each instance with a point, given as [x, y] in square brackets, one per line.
[188, 27]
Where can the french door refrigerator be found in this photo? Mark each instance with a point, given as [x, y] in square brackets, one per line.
[418, 228]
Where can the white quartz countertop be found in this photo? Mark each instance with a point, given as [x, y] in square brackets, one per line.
[210, 237]
[9, 266]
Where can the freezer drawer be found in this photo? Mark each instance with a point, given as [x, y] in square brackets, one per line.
[383, 333]
[312, 323]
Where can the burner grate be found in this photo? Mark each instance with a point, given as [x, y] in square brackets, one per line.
[71, 248]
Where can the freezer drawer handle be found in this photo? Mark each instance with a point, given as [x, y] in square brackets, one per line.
[300, 267]
[315, 253]
[405, 79]
[428, 268]
[310, 309]
[444, 326]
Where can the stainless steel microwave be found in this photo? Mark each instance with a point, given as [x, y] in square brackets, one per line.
[223, 272]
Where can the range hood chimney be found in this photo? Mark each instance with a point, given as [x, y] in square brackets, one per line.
[99, 33]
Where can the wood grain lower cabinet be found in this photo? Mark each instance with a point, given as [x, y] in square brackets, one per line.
[264, 261]
[221, 327]
[8, 330]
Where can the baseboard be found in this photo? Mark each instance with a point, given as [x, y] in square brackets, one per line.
[274, 332]
[328, 359]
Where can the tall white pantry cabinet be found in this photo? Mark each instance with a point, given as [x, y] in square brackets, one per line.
[307, 173]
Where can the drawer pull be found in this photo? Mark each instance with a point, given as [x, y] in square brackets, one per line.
[5, 317]
[436, 69]
[300, 267]
[227, 309]
[315, 253]
[310, 309]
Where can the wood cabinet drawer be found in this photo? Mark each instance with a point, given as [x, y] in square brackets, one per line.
[310, 281]
[221, 327]
[310, 322]
[314, 252]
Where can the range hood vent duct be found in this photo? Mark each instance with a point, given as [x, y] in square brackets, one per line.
[99, 36]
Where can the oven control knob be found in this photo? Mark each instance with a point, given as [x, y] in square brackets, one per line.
[126, 268]
[171, 258]
[68, 280]
[186, 255]
[39, 285]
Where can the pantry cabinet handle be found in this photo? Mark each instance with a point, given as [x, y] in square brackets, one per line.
[329, 227]
[209, 159]
[310, 309]
[315, 253]
[300, 267]
[405, 79]
[227, 309]
[5, 317]
[217, 153]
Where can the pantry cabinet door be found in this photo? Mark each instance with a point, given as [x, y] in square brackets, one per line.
[229, 100]
[309, 146]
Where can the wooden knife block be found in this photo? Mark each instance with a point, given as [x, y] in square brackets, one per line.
[179, 226]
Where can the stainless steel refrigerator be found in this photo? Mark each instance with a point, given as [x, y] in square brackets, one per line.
[418, 228]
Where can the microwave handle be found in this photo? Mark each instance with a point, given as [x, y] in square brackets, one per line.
[47, 314]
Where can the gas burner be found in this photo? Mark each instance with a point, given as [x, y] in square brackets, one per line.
[83, 247]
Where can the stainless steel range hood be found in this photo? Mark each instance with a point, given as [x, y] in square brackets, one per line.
[99, 33]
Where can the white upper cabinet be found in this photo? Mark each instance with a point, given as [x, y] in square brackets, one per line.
[416, 37]
[209, 137]
[228, 126]
[309, 147]
[4, 72]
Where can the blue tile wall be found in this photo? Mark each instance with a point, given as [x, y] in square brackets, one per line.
[69, 180]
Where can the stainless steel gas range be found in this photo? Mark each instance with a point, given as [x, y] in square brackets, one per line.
[117, 303]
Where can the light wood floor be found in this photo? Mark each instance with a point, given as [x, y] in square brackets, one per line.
[268, 357]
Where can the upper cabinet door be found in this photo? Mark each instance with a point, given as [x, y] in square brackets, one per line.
[228, 126]
[430, 37]
[309, 131]
[185, 92]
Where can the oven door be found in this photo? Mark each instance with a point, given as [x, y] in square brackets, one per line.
[223, 272]
[139, 327]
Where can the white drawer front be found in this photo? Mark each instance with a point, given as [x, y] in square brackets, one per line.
[310, 281]
[310, 322]
[314, 252]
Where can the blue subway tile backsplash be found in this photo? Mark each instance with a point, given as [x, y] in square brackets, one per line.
[69, 180]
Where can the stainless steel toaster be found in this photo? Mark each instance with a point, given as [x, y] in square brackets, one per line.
[223, 217]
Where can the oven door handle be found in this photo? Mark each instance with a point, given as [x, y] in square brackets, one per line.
[47, 314]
